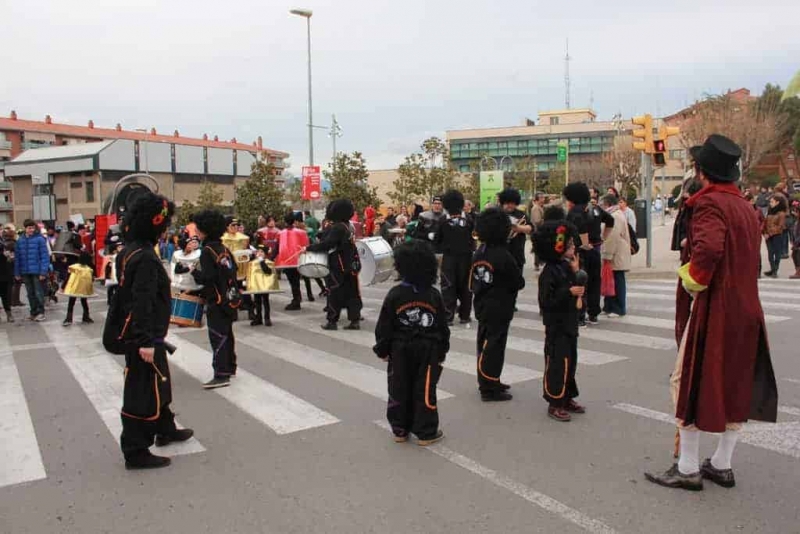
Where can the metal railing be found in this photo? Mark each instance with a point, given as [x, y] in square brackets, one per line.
[5, 186]
[6, 206]
[5, 145]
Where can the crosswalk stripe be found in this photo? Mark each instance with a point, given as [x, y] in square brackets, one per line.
[102, 381]
[364, 378]
[635, 320]
[761, 292]
[281, 411]
[455, 361]
[654, 296]
[762, 282]
[610, 336]
[19, 448]
[789, 410]
[535, 347]
[541, 500]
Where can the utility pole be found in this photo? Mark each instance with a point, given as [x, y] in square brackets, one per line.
[647, 176]
[334, 132]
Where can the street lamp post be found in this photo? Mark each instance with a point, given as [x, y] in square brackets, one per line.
[306, 13]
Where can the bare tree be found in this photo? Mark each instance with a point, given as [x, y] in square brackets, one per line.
[623, 164]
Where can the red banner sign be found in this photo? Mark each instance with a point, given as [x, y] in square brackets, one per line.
[312, 187]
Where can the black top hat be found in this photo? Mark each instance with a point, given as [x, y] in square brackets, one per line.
[718, 157]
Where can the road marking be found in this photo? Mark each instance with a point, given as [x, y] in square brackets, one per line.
[50, 345]
[102, 381]
[283, 412]
[789, 410]
[537, 498]
[783, 438]
[654, 296]
[761, 292]
[364, 378]
[761, 282]
[610, 336]
[455, 361]
[19, 448]
[533, 346]
[654, 308]
[792, 380]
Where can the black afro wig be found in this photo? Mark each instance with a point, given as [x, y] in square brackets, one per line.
[212, 223]
[453, 202]
[147, 217]
[340, 210]
[509, 195]
[577, 193]
[554, 213]
[416, 263]
[493, 226]
[553, 238]
[289, 219]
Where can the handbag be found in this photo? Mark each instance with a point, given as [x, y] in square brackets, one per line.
[607, 288]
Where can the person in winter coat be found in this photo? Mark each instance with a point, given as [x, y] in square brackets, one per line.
[616, 249]
[7, 247]
[773, 229]
[796, 240]
[31, 265]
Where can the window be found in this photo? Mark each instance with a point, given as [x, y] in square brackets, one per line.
[553, 121]
[89, 191]
[76, 185]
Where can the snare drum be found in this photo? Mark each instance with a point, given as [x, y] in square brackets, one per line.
[184, 281]
[187, 310]
[313, 264]
[377, 262]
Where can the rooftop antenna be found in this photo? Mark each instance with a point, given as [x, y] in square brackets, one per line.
[591, 99]
[567, 59]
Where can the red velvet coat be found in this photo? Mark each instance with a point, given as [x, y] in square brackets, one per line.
[727, 372]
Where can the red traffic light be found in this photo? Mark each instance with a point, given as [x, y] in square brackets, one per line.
[659, 146]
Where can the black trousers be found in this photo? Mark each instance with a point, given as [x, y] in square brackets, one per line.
[343, 293]
[71, 307]
[307, 281]
[110, 292]
[492, 339]
[145, 401]
[455, 286]
[6, 287]
[16, 289]
[592, 263]
[259, 302]
[293, 275]
[412, 375]
[560, 364]
[220, 334]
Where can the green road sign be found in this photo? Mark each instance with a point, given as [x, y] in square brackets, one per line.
[562, 153]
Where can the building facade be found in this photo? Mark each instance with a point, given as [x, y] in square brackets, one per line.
[61, 170]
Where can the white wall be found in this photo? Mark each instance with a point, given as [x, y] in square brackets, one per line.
[157, 157]
[118, 156]
[220, 161]
[189, 159]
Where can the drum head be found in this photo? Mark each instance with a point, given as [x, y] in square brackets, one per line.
[181, 256]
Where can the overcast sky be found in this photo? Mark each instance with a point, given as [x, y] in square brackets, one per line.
[392, 71]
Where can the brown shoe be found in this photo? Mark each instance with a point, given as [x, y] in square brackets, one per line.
[720, 477]
[430, 441]
[673, 478]
[574, 407]
[400, 438]
[559, 414]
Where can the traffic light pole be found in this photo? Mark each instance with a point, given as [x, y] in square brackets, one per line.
[647, 173]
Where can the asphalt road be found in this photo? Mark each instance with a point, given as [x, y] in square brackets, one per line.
[298, 443]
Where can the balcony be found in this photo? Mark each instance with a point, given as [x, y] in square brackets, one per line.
[6, 206]
[5, 186]
[28, 145]
[5, 145]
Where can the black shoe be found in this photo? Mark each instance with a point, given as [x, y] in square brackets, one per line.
[218, 382]
[256, 322]
[424, 442]
[581, 323]
[504, 387]
[323, 293]
[180, 434]
[496, 396]
[767, 273]
[67, 322]
[593, 320]
[87, 320]
[311, 298]
[451, 323]
[292, 306]
[146, 460]
[673, 478]
[464, 321]
[353, 326]
[720, 477]
[330, 326]
[267, 322]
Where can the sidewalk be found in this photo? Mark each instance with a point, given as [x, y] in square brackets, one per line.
[665, 262]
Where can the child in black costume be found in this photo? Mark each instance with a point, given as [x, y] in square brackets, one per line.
[413, 337]
[455, 241]
[558, 299]
[495, 280]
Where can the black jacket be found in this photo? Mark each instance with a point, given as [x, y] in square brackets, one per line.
[338, 242]
[210, 273]
[409, 316]
[455, 237]
[6, 260]
[556, 303]
[144, 294]
[495, 280]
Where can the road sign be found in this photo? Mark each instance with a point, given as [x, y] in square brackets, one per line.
[562, 153]
[312, 188]
[491, 184]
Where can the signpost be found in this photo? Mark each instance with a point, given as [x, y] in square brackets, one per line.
[562, 156]
[312, 186]
[491, 183]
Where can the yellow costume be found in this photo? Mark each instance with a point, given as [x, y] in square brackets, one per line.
[234, 243]
[80, 280]
[258, 281]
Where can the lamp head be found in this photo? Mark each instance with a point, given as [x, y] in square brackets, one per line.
[302, 12]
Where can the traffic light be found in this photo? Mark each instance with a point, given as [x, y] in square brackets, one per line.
[659, 153]
[646, 133]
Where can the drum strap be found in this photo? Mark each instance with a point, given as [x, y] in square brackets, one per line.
[124, 263]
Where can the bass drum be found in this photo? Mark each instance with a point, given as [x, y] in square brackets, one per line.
[184, 281]
[313, 264]
[377, 262]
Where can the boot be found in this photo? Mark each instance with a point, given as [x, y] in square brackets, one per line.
[293, 306]
[87, 320]
[795, 276]
[146, 460]
[180, 434]
[67, 321]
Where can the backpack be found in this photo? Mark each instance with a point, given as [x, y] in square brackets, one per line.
[227, 292]
[117, 319]
[634, 240]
